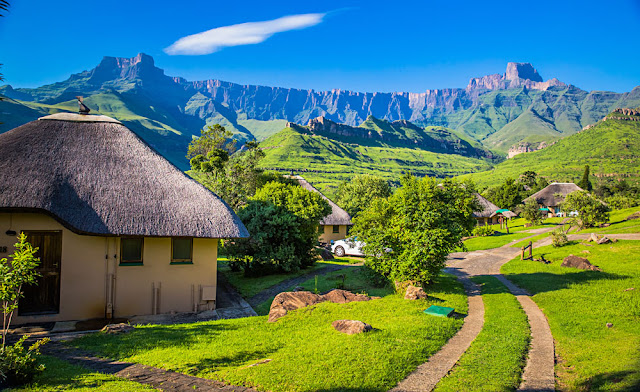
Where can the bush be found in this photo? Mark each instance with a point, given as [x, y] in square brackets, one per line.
[19, 366]
[283, 222]
[531, 212]
[620, 202]
[483, 231]
[559, 238]
[592, 212]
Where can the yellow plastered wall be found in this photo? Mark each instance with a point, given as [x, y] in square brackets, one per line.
[85, 273]
[327, 234]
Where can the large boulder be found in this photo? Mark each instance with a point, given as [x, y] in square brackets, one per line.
[288, 301]
[572, 261]
[117, 328]
[414, 293]
[351, 327]
[635, 215]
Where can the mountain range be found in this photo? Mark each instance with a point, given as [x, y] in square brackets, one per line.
[490, 115]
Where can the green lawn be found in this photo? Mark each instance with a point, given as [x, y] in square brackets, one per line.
[62, 376]
[306, 353]
[579, 304]
[493, 241]
[250, 286]
[495, 359]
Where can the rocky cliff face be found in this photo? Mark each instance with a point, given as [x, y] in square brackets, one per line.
[517, 75]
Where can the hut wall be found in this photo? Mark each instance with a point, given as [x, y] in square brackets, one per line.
[328, 235]
[85, 273]
[177, 285]
[82, 269]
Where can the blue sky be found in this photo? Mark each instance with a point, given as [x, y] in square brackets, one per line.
[356, 45]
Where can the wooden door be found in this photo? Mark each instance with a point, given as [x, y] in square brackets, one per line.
[44, 297]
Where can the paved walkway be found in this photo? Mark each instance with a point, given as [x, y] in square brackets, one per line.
[427, 375]
[163, 380]
[286, 284]
[229, 303]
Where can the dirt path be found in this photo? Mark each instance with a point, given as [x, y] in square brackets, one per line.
[427, 375]
[229, 303]
[538, 374]
[286, 284]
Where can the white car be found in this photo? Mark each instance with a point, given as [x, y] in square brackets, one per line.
[349, 246]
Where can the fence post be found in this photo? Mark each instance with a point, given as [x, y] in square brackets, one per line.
[522, 253]
[530, 250]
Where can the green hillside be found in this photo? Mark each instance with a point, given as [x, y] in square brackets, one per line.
[611, 148]
[326, 162]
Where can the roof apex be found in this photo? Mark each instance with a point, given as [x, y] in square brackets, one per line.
[76, 117]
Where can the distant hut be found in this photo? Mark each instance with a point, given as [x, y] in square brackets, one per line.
[486, 216]
[550, 198]
[334, 226]
[120, 230]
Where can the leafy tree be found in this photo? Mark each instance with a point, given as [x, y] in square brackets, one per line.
[356, 195]
[409, 235]
[508, 195]
[531, 212]
[591, 211]
[529, 178]
[283, 222]
[235, 177]
[585, 183]
[14, 275]
[619, 201]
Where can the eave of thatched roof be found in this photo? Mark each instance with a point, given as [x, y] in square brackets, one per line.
[97, 177]
[338, 216]
[554, 193]
[488, 207]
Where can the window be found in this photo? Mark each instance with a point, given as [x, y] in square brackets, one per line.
[181, 250]
[336, 229]
[131, 251]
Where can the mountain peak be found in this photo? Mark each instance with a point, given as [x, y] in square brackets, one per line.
[522, 71]
[140, 66]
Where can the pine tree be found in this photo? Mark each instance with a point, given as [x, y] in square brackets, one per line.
[585, 183]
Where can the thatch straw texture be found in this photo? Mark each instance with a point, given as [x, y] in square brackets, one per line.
[100, 178]
[488, 208]
[554, 193]
[338, 216]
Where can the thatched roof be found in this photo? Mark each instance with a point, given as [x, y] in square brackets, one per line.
[506, 214]
[488, 207]
[95, 176]
[554, 193]
[338, 216]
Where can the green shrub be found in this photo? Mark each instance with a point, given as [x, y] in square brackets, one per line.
[19, 366]
[621, 202]
[559, 238]
[592, 212]
[483, 231]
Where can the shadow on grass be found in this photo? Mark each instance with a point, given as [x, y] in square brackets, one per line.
[607, 380]
[143, 339]
[235, 360]
[540, 282]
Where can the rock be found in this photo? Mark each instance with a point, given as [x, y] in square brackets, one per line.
[635, 215]
[351, 327]
[586, 251]
[572, 261]
[609, 325]
[414, 293]
[326, 254]
[593, 237]
[338, 296]
[260, 362]
[298, 288]
[288, 301]
[603, 240]
[117, 328]
[630, 289]
[605, 225]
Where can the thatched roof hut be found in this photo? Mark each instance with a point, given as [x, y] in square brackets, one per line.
[338, 216]
[488, 208]
[95, 176]
[554, 193]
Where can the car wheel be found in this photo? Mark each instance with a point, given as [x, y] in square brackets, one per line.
[339, 251]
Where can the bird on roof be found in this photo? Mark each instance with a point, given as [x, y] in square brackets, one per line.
[82, 108]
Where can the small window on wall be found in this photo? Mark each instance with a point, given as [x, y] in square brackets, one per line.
[181, 250]
[336, 229]
[131, 251]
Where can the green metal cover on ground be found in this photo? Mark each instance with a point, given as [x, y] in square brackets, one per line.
[441, 311]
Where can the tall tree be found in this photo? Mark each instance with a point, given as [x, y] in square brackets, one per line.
[585, 183]
[358, 193]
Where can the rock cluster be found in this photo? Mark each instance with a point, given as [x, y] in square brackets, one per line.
[117, 328]
[288, 301]
[414, 293]
[572, 261]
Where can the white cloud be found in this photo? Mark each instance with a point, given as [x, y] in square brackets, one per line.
[240, 34]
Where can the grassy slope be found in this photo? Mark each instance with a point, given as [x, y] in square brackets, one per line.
[62, 376]
[306, 353]
[579, 303]
[611, 147]
[495, 359]
[331, 162]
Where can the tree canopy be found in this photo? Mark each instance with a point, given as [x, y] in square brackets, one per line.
[591, 211]
[356, 195]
